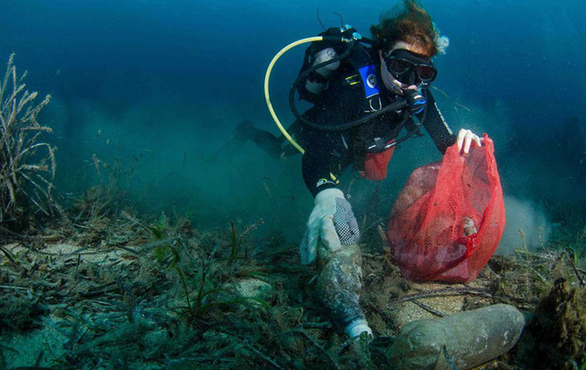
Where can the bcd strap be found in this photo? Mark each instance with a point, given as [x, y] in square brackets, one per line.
[367, 77]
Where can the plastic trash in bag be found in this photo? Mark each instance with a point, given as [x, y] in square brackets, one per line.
[448, 220]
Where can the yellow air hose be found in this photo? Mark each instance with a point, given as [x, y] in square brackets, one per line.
[266, 86]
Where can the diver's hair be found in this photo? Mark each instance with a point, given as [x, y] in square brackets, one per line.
[411, 24]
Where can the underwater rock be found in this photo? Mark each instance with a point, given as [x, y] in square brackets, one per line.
[254, 288]
[464, 340]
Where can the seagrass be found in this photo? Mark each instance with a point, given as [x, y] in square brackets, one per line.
[27, 162]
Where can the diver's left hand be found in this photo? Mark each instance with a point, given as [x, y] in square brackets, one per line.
[465, 140]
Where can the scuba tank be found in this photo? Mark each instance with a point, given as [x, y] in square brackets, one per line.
[322, 59]
[318, 80]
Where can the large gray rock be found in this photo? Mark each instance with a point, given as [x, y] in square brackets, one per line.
[470, 338]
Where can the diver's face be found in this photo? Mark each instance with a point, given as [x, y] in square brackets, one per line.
[390, 82]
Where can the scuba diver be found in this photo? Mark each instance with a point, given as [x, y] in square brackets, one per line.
[363, 94]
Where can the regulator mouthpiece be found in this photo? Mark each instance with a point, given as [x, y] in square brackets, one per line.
[416, 101]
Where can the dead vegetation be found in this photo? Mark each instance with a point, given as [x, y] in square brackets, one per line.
[119, 292]
[27, 163]
[169, 297]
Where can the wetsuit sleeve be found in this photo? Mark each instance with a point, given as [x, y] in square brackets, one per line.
[315, 166]
[436, 125]
[327, 151]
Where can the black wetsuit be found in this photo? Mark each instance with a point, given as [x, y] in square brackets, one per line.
[331, 152]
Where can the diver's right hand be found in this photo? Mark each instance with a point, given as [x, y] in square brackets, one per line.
[465, 140]
[332, 221]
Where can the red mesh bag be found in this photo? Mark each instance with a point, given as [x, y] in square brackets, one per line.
[448, 220]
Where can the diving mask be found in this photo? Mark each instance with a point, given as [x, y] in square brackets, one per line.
[409, 68]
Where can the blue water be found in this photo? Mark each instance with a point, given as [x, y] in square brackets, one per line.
[160, 85]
